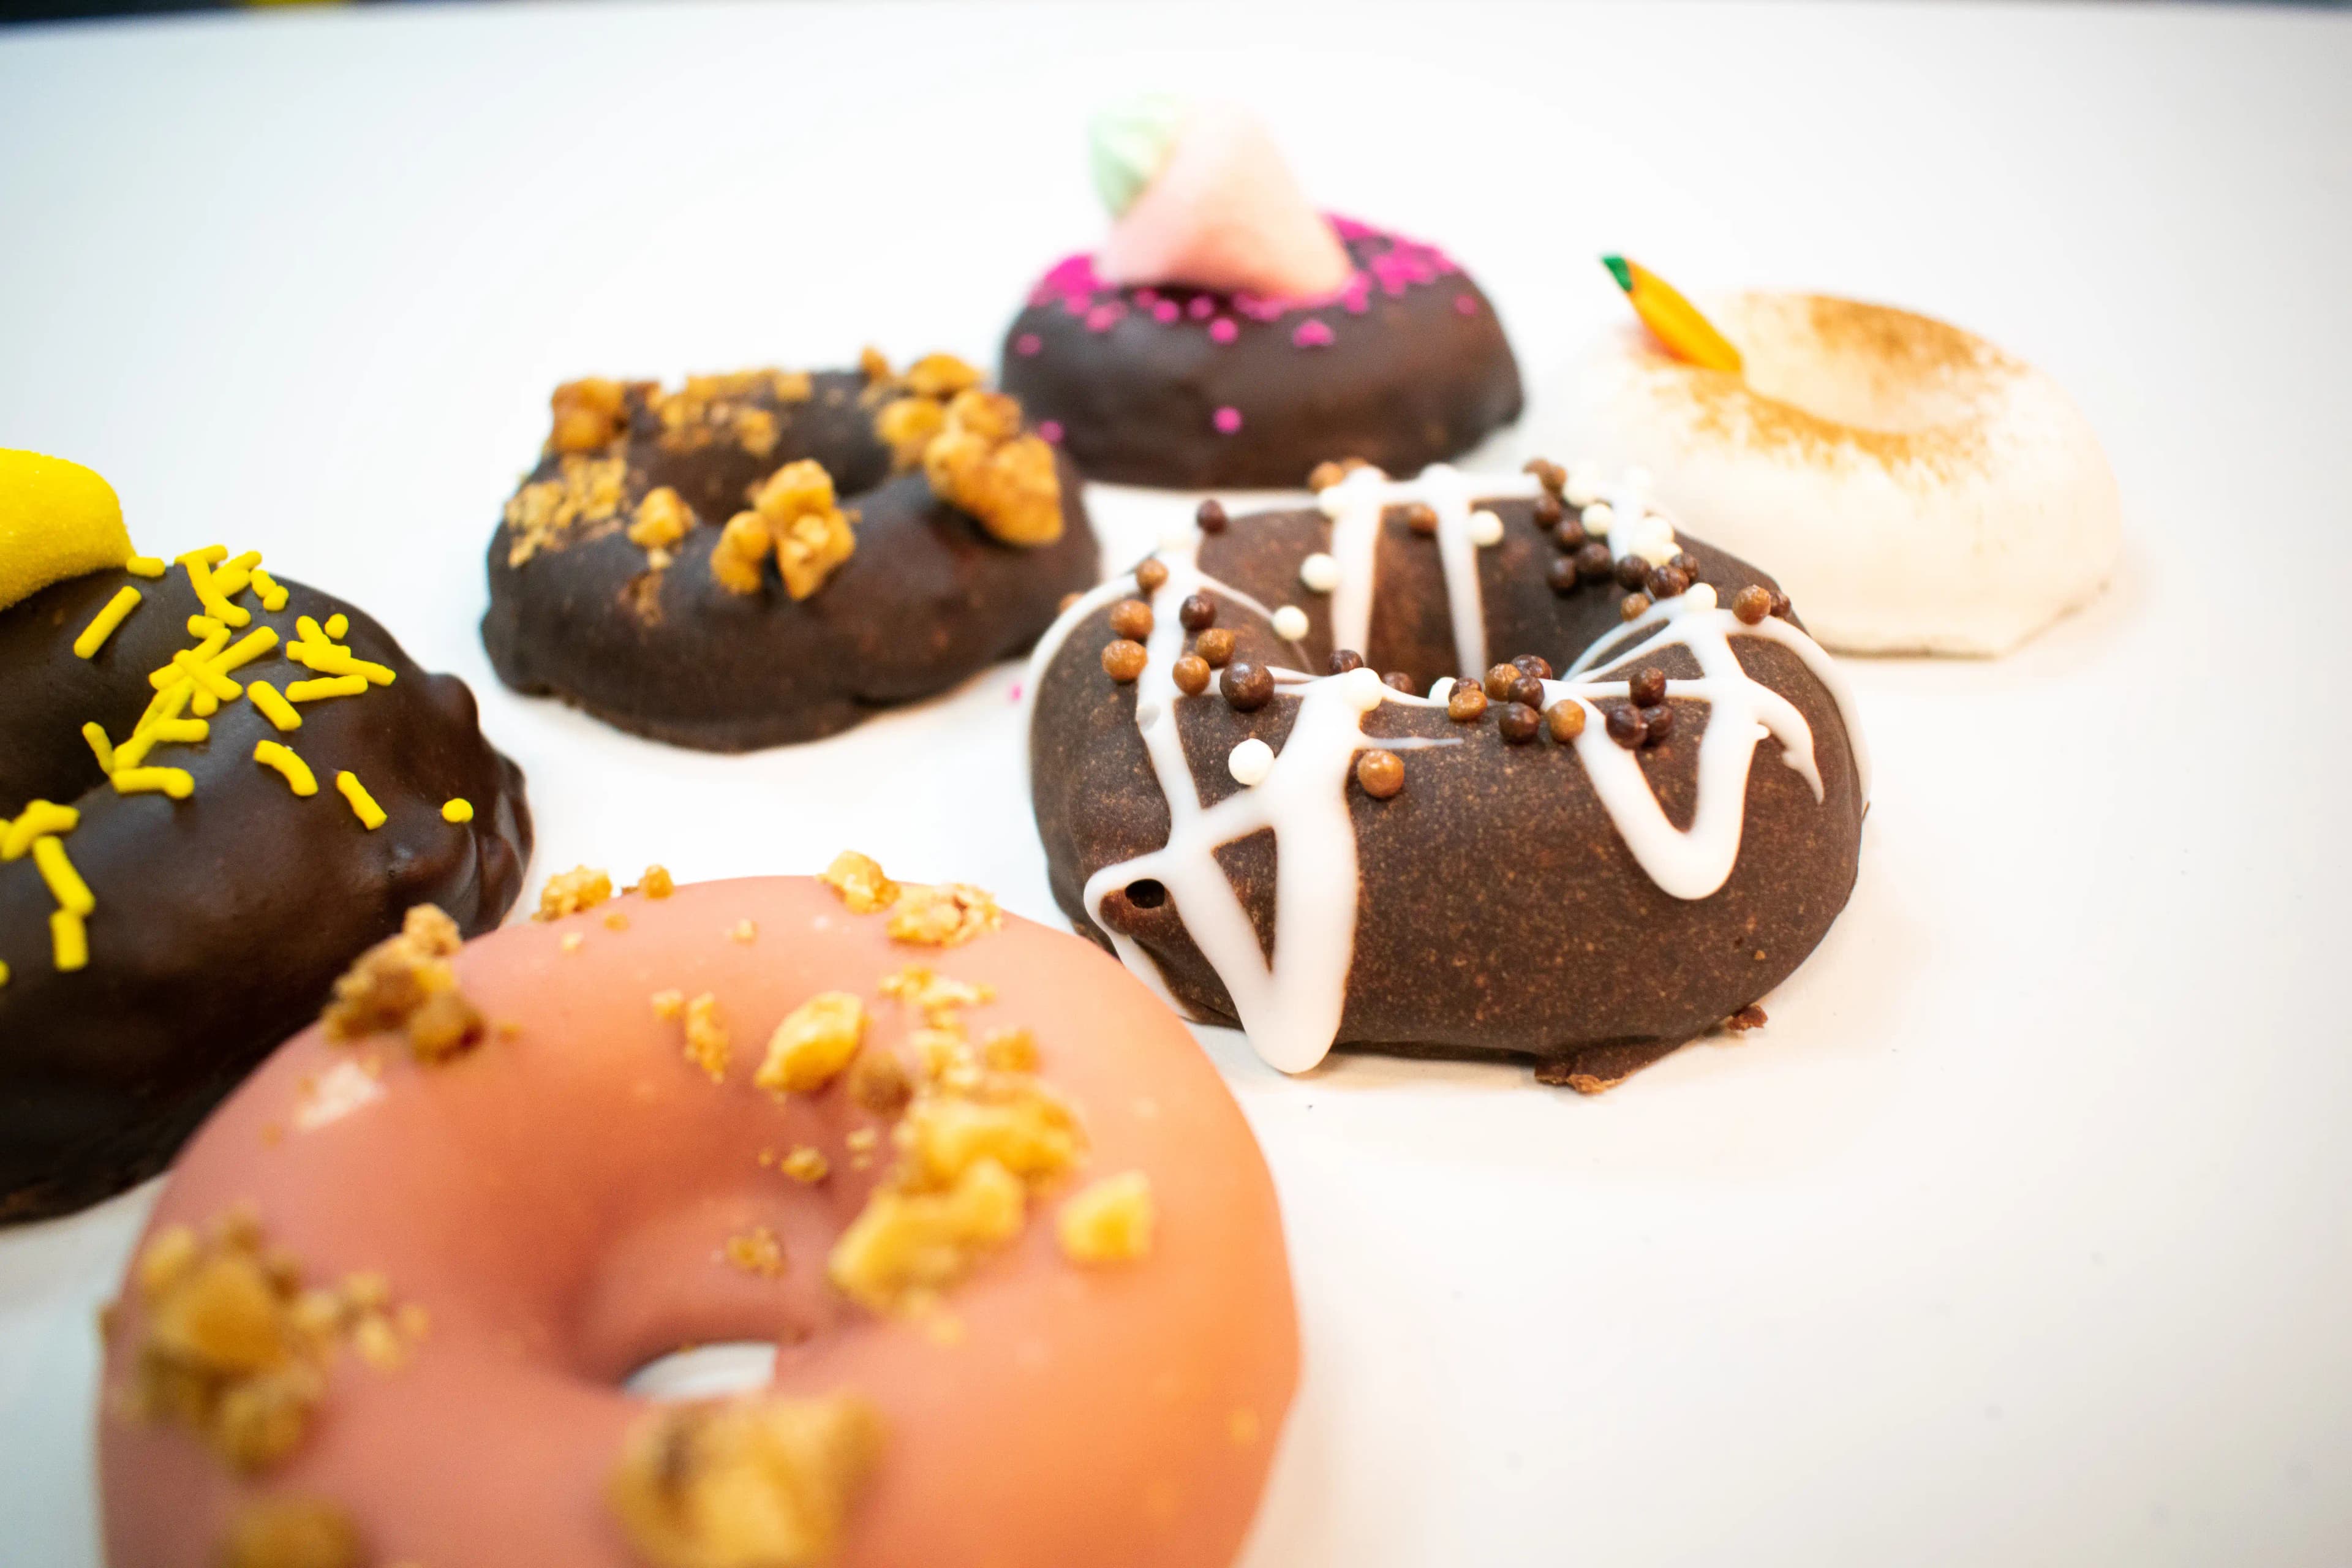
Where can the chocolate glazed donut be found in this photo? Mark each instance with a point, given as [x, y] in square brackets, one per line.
[1187, 388]
[1584, 890]
[222, 918]
[611, 587]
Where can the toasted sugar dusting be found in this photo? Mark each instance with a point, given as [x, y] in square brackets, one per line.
[406, 982]
[759, 1482]
[805, 1165]
[237, 1350]
[814, 1043]
[756, 1252]
[981, 462]
[947, 915]
[568, 892]
[291, 1532]
[918, 985]
[1109, 1221]
[859, 879]
[579, 502]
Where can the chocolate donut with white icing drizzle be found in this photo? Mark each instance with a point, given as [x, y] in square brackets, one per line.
[1583, 872]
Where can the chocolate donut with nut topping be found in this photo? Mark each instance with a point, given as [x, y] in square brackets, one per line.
[1629, 805]
[218, 788]
[767, 557]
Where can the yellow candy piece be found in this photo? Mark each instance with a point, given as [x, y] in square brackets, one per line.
[58, 519]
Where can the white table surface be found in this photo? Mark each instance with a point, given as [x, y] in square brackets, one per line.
[2020, 1235]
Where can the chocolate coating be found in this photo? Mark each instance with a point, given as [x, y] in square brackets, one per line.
[1411, 369]
[224, 919]
[1443, 964]
[928, 599]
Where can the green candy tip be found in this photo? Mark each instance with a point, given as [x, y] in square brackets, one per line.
[1620, 272]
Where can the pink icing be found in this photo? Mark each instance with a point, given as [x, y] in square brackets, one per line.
[1223, 212]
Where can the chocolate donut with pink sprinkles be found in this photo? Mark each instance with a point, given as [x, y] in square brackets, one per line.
[1228, 335]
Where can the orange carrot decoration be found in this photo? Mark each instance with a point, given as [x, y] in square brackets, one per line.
[1687, 334]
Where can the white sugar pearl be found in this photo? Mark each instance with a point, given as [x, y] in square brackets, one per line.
[1658, 552]
[1290, 622]
[1486, 528]
[1701, 597]
[1319, 573]
[1584, 486]
[1250, 761]
[1637, 480]
[1598, 517]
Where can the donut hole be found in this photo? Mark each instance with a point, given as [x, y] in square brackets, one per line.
[1147, 893]
[705, 1371]
[1864, 366]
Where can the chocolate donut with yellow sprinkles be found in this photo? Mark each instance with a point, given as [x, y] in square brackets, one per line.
[216, 787]
[768, 556]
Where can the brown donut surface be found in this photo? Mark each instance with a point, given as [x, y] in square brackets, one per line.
[617, 581]
[1496, 907]
[221, 916]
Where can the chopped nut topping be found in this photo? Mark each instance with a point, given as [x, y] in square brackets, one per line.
[908, 425]
[906, 1246]
[568, 892]
[878, 1082]
[806, 1165]
[656, 883]
[813, 1043]
[291, 1532]
[1108, 1221]
[236, 1351]
[544, 514]
[756, 1251]
[940, 376]
[589, 414]
[743, 1483]
[947, 915]
[669, 1006]
[406, 982]
[732, 407]
[860, 882]
[935, 994]
[793, 516]
[707, 1044]
[1009, 1050]
[874, 364]
[744, 931]
[1010, 1118]
[663, 519]
[735, 558]
[982, 463]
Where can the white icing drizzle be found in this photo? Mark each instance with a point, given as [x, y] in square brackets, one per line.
[1291, 1006]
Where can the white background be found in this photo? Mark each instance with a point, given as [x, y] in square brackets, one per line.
[2019, 1237]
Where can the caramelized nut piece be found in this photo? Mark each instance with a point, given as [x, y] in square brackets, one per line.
[1108, 1221]
[982, 463]
[859, 880]
[589, 414]
[815, 1042]
[754, 1482]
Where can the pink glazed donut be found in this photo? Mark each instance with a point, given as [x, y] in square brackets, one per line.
[1017, 1249]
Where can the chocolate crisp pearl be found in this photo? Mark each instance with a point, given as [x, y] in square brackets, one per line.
[1569, 535]
[1657, 723]
[1198, 612]
[1123, 660]
[1666, 581]
[1192, 675]
[1497, 683]
[1421, 518]
[1210, 517]
[1751, 604]
[1647, 686]
[1397, 680]
[1593, 562]
[1625, 726]
[1382, 773]
[1215, 645]
[1151, 576]
[1344, 660]
[1561, 574]
[1534, 664]
[1465, 703]
[1132, 618]
[1529, 690]
[1547, 511]
[1565, 720]
[1518, 723]
[1633, 606]
[1246, 686]
[1632, 571]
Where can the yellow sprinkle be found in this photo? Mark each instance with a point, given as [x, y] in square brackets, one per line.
[307, 629]
[273, 597]
[177, 783]
[338, 623]
[204, 627]
[179, 732]
[40, 818]
[332, 658]
[245, 562]
[146, 566]
[93, 636]
[457, 810]
[298, 777]
[215, 603]
[333, 686]
[183, 663]
[246, 649]
[3, 975]
[65, 883]
[210, 555]
[274, 708]
[364, 805]
[68, 941]
[95, 733]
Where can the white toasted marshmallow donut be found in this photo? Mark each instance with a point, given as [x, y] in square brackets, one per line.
[1914, 488]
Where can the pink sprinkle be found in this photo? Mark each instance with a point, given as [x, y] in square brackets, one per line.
[1228, 420]
[1165, 311]
[1103, 317]
[1028, 344]
[1311, 334]
[1201, 307]
[1075, 304]
[1465, 305]
[1051, 429]
[1223, 329]
[1147, 296]
[1014, 695]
